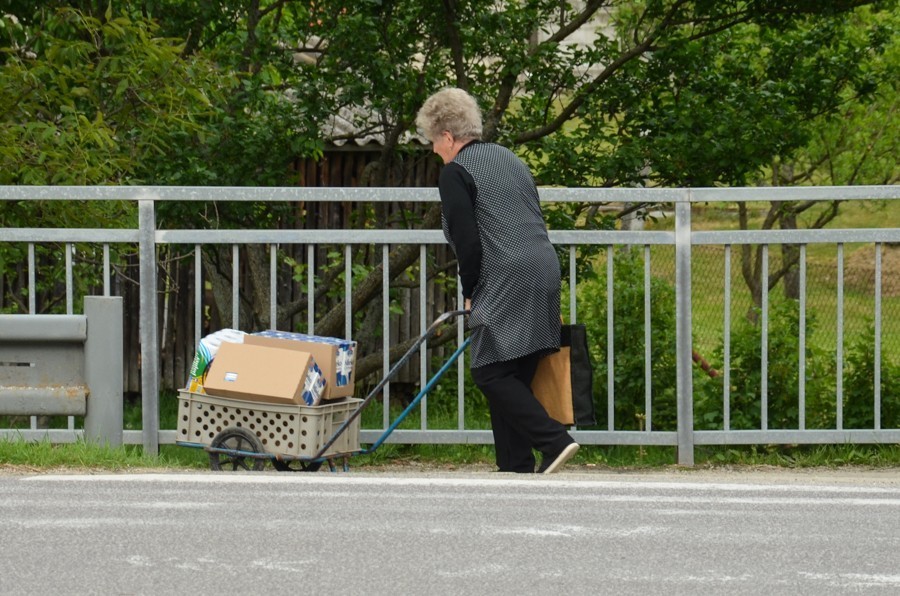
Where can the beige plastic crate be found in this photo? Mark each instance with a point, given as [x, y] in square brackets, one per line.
[283, 429]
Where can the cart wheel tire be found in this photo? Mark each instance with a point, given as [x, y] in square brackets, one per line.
[238, 439]
[283, 466]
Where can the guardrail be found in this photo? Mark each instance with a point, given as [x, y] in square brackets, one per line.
[66, 365]
[683, 238]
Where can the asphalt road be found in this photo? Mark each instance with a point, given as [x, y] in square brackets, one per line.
[447, 533]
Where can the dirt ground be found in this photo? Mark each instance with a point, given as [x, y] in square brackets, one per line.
[859, 271]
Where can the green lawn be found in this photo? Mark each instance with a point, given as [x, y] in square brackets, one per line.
[708, 272]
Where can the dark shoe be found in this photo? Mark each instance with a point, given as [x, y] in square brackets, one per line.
[550, 465]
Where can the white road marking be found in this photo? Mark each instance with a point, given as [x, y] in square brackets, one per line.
[670, 493]
[528, 532]
[489, 569]
[704, 493]
[301, 566]
[163, 505]
[348, 479]
[857, 580]
[82, 523]
[139, 561]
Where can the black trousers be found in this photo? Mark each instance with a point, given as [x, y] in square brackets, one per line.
[519, 421]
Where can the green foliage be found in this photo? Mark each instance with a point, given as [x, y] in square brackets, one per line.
[782, 380]
[705, 109]
[859, 385]
[629, 384]
[800, 456]
[572, 216]
[89, 100]
[441, 401]
[443, 456]
[745, 403]
[852, 145]
[46, 457]
[210, 93]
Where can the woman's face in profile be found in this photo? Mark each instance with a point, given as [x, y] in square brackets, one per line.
[445, 145]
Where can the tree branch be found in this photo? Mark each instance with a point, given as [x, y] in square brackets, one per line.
[747, 271]
[590, 8]
[372, 363]
[826, 216]
[369, 288]
[587, 90]
[456, 48]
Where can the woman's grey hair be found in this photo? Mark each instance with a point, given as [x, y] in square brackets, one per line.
[453, 110]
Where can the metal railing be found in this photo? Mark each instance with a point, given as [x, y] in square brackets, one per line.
[147, 237]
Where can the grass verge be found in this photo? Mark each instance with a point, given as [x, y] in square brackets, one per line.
[43, 457]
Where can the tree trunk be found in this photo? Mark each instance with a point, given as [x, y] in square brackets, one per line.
[750, 263]
[790, 257]
[220, 282]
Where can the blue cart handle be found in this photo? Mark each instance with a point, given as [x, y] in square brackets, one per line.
[447, 316]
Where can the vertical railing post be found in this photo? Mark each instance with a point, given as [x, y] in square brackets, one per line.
[683, 361]
[148, 326]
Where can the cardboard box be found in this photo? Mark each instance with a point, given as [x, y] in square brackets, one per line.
[265, 374]
[336, 357]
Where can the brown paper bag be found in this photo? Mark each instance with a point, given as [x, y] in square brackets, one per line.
[552, 385]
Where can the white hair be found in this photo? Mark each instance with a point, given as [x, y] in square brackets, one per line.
[453, 110]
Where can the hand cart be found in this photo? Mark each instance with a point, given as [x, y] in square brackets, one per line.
[244, 435]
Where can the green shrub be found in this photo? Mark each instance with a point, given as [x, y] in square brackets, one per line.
[859, 386]
[629, 383]
[783, 374]
[628, 340]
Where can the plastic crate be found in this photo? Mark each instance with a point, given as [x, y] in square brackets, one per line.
[283, 429]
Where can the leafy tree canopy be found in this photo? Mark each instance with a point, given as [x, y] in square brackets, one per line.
[669, 92]
[592, 93]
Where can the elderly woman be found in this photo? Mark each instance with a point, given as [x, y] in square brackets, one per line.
[509, 274]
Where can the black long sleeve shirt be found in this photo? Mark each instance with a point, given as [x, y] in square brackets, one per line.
[458, 195]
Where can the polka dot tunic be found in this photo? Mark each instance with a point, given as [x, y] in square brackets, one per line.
[492, 219]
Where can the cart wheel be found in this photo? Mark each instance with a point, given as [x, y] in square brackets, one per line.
[296, 466]
[238, 439]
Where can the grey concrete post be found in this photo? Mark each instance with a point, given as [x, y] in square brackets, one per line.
[683, 336]
[103, 369]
